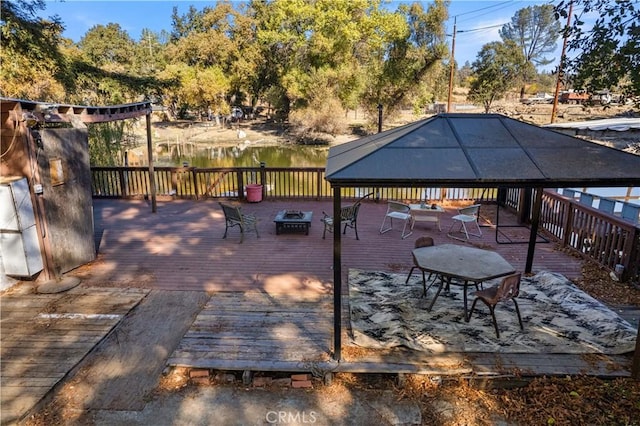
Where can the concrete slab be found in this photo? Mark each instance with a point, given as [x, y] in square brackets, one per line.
[232, 405]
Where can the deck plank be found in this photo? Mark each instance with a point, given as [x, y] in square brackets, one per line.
[37, 351]
[270, 303]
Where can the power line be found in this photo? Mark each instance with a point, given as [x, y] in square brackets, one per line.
[481, 28]
[484, 8]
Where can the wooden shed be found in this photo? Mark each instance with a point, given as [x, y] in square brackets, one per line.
[47, 215]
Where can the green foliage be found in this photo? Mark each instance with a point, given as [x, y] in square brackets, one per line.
[608, 54]
[410, 54]
[108, 47]
[497, 69]
[354, 52]
[107, 143]
[535, 30]
[203, 89]
[32, 64]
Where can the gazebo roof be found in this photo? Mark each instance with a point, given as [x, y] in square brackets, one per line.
[467, 150]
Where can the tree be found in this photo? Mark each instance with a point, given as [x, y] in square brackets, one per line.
[410, 55]
[106, 68]
[497, 69]
[608, 54]
[150, 52]
[535, 30]
[32, 64]
[108, 47]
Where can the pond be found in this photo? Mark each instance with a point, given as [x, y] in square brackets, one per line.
[245, 155]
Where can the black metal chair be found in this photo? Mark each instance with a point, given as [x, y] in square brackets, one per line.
[348, 218]
[234, 217]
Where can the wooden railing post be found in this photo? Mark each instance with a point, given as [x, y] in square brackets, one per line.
[240, 180]
[174, 181]
[568, 224]
[194, 180]
[633, 248]
[318, 184]
[122, 180]
[263, 179]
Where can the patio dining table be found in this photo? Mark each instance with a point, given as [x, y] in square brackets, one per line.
[468, 265]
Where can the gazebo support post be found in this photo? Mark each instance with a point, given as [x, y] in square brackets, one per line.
[535, 221]
[337, 276]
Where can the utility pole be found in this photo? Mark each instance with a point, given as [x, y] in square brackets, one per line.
[554, 110]
[452, 64]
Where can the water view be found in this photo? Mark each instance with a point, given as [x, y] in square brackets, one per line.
[245, 155]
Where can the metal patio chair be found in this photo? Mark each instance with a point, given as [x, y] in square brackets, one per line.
[348, 218]
[467, 215]
[233, 216]
[399, 211]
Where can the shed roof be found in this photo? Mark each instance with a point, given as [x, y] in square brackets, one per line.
[469, 150]
[620, 124]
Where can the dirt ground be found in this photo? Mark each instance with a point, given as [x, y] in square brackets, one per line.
[543, 401]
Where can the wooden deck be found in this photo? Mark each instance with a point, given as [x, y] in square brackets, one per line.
[44, 336]
[270, 303]
[257, 331]
[181, 247]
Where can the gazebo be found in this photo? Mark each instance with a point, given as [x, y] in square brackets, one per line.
[473, 151]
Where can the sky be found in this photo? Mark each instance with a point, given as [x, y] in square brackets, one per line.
[477, 22]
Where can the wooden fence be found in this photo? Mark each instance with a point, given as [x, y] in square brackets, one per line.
[604, 238]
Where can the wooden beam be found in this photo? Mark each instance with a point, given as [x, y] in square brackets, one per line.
[54, 113]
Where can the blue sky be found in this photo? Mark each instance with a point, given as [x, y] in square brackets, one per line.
[478, 22]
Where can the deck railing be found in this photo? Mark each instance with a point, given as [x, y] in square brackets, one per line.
[604, 238]
[277, 182]
[608, 240]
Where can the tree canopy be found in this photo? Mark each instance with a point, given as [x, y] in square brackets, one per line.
[298, 56]
[606, 55]
[498, 67]
[292, 54]
[535, 30]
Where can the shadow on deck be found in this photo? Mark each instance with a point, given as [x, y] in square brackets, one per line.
[267, 303]
[271, 297]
